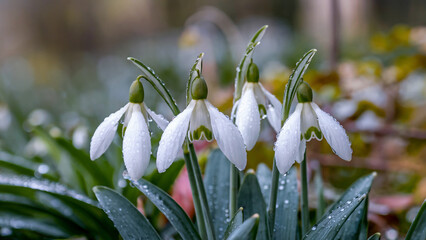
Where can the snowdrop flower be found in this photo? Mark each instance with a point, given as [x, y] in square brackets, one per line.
[255, 104]
[201, 120]
[308, 121]
[137, 140]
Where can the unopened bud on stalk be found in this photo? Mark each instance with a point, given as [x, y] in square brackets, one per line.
[199, 88]
[136, 94]
[253, 73]
[304, 93]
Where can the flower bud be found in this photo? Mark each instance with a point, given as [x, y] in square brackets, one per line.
[199, 88]
[304, 93]
[253, 73]
[136, 94]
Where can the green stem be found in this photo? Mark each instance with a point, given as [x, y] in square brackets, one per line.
[233, 189]
[202, 193]
[195, 195]
[304, 200]
[273, 196]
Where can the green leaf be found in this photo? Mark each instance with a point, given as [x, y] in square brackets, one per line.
[173, 212]
[18, 164]
[127, 219]
[418, 227]
[44, 227]
[217, 190]
[251, 200]
[376, 236]
[45, 186]
[247, 230]
[353, 226]
[195, 71]
[264, 176]
[288, 203]
[330, 224]
[319, 187]
[157, 84]
[235, 222]
[295, 79]
[245, 61]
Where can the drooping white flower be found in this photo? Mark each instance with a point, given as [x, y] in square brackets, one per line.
[136, 140]
[308, 121]
[255, 104]
[201, 120]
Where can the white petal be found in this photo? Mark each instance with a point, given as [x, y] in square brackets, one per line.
[172, 138]
[248, 118]
[274, 110]
[334, 133]
[301, 151]
[158, 118]
[288, 142]
[104, 134]
[228, 137]
[136, 144]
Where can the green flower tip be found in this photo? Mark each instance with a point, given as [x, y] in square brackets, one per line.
[304, 93]
[136, 94]
[253, 73]
[199, 88]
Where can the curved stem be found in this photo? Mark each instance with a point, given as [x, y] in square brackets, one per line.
[233, 189]
[304, 200]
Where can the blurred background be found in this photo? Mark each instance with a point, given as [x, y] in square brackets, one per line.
[63, 68]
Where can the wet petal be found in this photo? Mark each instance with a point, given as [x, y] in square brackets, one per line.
[248, 119]
[288, 142]
[334, 133]
[228, 137]
[136, 144]
[172, 138]
[158, 118]
[104, 134]
[274, 110]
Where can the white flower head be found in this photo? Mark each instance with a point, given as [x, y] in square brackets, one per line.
[256, 103]
[137, 140]
[201, 120]
[308, 121]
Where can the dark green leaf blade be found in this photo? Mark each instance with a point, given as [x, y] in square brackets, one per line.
[235, 222]
[418, 227]
[173, 212]
[330, 224]
[264, 176]
[353, 226]
[46, 228]
[251, 200]
[217, 190]
[375, 236]
[127, 219]
[288, 203]
[245, 61]
[295, 79]
[45, 186]
[247, 230]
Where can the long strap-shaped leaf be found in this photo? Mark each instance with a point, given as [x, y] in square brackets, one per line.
[294, 81]
[251, 200]
[217, 190]
[330, 224]
[247, 230]
[353, 226]
[245, 61]
[127, 219]
[418, 227]
[235, 222]
[173, 212]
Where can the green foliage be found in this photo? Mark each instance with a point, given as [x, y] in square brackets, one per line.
[247, 230]
[418, 227]
[127, 219]
[235, 222]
